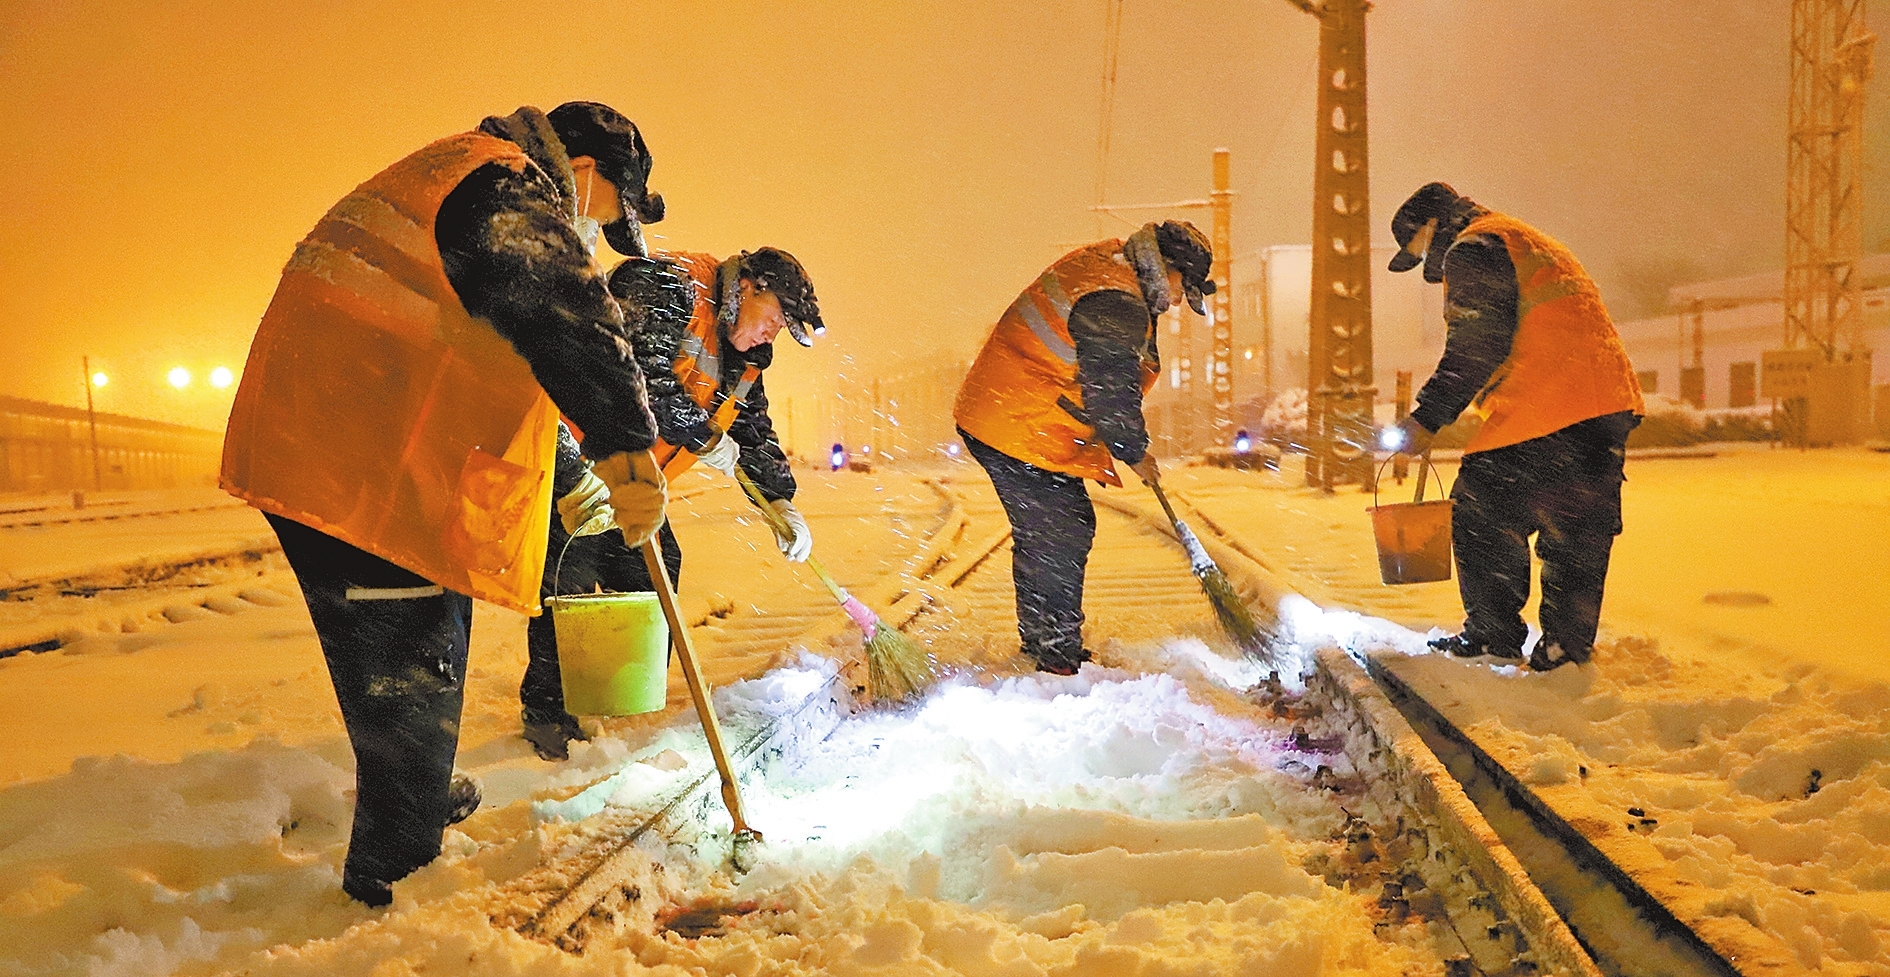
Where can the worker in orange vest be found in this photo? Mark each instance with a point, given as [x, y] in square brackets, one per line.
[1055, 397]
[706, 332]
[396, 422]
[1531, 351]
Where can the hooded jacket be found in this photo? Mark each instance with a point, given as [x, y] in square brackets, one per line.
[396, 392]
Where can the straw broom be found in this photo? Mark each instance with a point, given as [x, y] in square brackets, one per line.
[896, 666]
[1229, 609]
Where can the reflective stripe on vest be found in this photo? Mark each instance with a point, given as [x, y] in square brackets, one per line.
[1010, 397]
[1566, 363]
[376, 409]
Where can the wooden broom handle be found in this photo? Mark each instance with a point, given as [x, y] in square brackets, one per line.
[698, 687]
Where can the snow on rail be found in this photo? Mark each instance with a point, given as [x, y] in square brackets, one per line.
[1398, 829]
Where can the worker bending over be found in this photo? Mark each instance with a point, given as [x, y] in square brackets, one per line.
[706, 334]
[396, 424]
[1055, 397]
[1532, 351]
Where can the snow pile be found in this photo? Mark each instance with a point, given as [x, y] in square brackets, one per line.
[1048, 825]
[1773, 792]
[126, 867]
[1108, 821]
[1284, 421]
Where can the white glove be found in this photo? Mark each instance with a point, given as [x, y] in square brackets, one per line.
[721, 454]
[798, 546]
[585, 510]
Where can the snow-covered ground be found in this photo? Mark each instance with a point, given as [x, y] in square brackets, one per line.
[1737, 702]
[178, 798]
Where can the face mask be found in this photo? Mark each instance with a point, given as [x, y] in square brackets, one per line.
[587, 227]
[587, 230]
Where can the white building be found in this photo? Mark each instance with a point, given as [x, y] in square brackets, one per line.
[1739, 319]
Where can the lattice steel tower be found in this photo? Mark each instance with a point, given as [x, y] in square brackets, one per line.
[1831, 62]
[1339, 387]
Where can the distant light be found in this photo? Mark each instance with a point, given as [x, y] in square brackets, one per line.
[1249, 353]
[1243, 443]
[952, 449]
[179, 377]
[866, 449]
[221, 377]
[99, 379]
[1391, 438]
[839, 457]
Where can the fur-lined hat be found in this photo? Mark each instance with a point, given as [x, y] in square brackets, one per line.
[774, 270]
[1178, 245]
[606, 135]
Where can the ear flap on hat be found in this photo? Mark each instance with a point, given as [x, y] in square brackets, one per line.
[728, 280]
[1151, 271]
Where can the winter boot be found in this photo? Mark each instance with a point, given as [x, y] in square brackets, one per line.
[1464, 646]
[368, 892]
[1060, 663]
[463, 796]
[550, 734]
[1549, 655]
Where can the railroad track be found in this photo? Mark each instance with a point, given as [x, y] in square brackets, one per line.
[1423, 847]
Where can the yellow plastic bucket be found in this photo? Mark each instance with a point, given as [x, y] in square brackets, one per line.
[613, 652]
[1413, 537]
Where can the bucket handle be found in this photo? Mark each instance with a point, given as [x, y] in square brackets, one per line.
[1424, 468]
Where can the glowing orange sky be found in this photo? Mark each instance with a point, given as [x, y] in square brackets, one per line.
[925, 160]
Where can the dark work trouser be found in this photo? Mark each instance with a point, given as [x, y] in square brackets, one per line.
[591, 562]
[398, 666]
[1053, 524]
[1565, 488]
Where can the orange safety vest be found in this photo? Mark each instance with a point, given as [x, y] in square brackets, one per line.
[1566, 364]
[376, 409]
[1009, 397]
[698, 361]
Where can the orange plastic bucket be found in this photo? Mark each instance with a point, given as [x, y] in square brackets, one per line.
[1413, 537]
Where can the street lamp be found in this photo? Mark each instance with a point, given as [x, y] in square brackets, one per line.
[98, 379]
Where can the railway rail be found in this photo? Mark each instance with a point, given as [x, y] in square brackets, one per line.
[1434, 826]
[1413, 832]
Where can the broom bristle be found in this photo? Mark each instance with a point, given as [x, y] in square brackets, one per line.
[896, 666]
[1232, 612]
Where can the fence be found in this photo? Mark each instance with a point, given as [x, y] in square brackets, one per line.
[46, 448]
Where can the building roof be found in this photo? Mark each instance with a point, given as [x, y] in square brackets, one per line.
[1729, 293]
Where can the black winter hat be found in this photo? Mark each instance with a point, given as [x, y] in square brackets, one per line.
[1187, 250]
[774, 270]
[1432, 202]
[606, 135]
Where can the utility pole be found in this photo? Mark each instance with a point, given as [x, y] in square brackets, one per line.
[1339, 389]
[1221, 355]
[91, 420]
